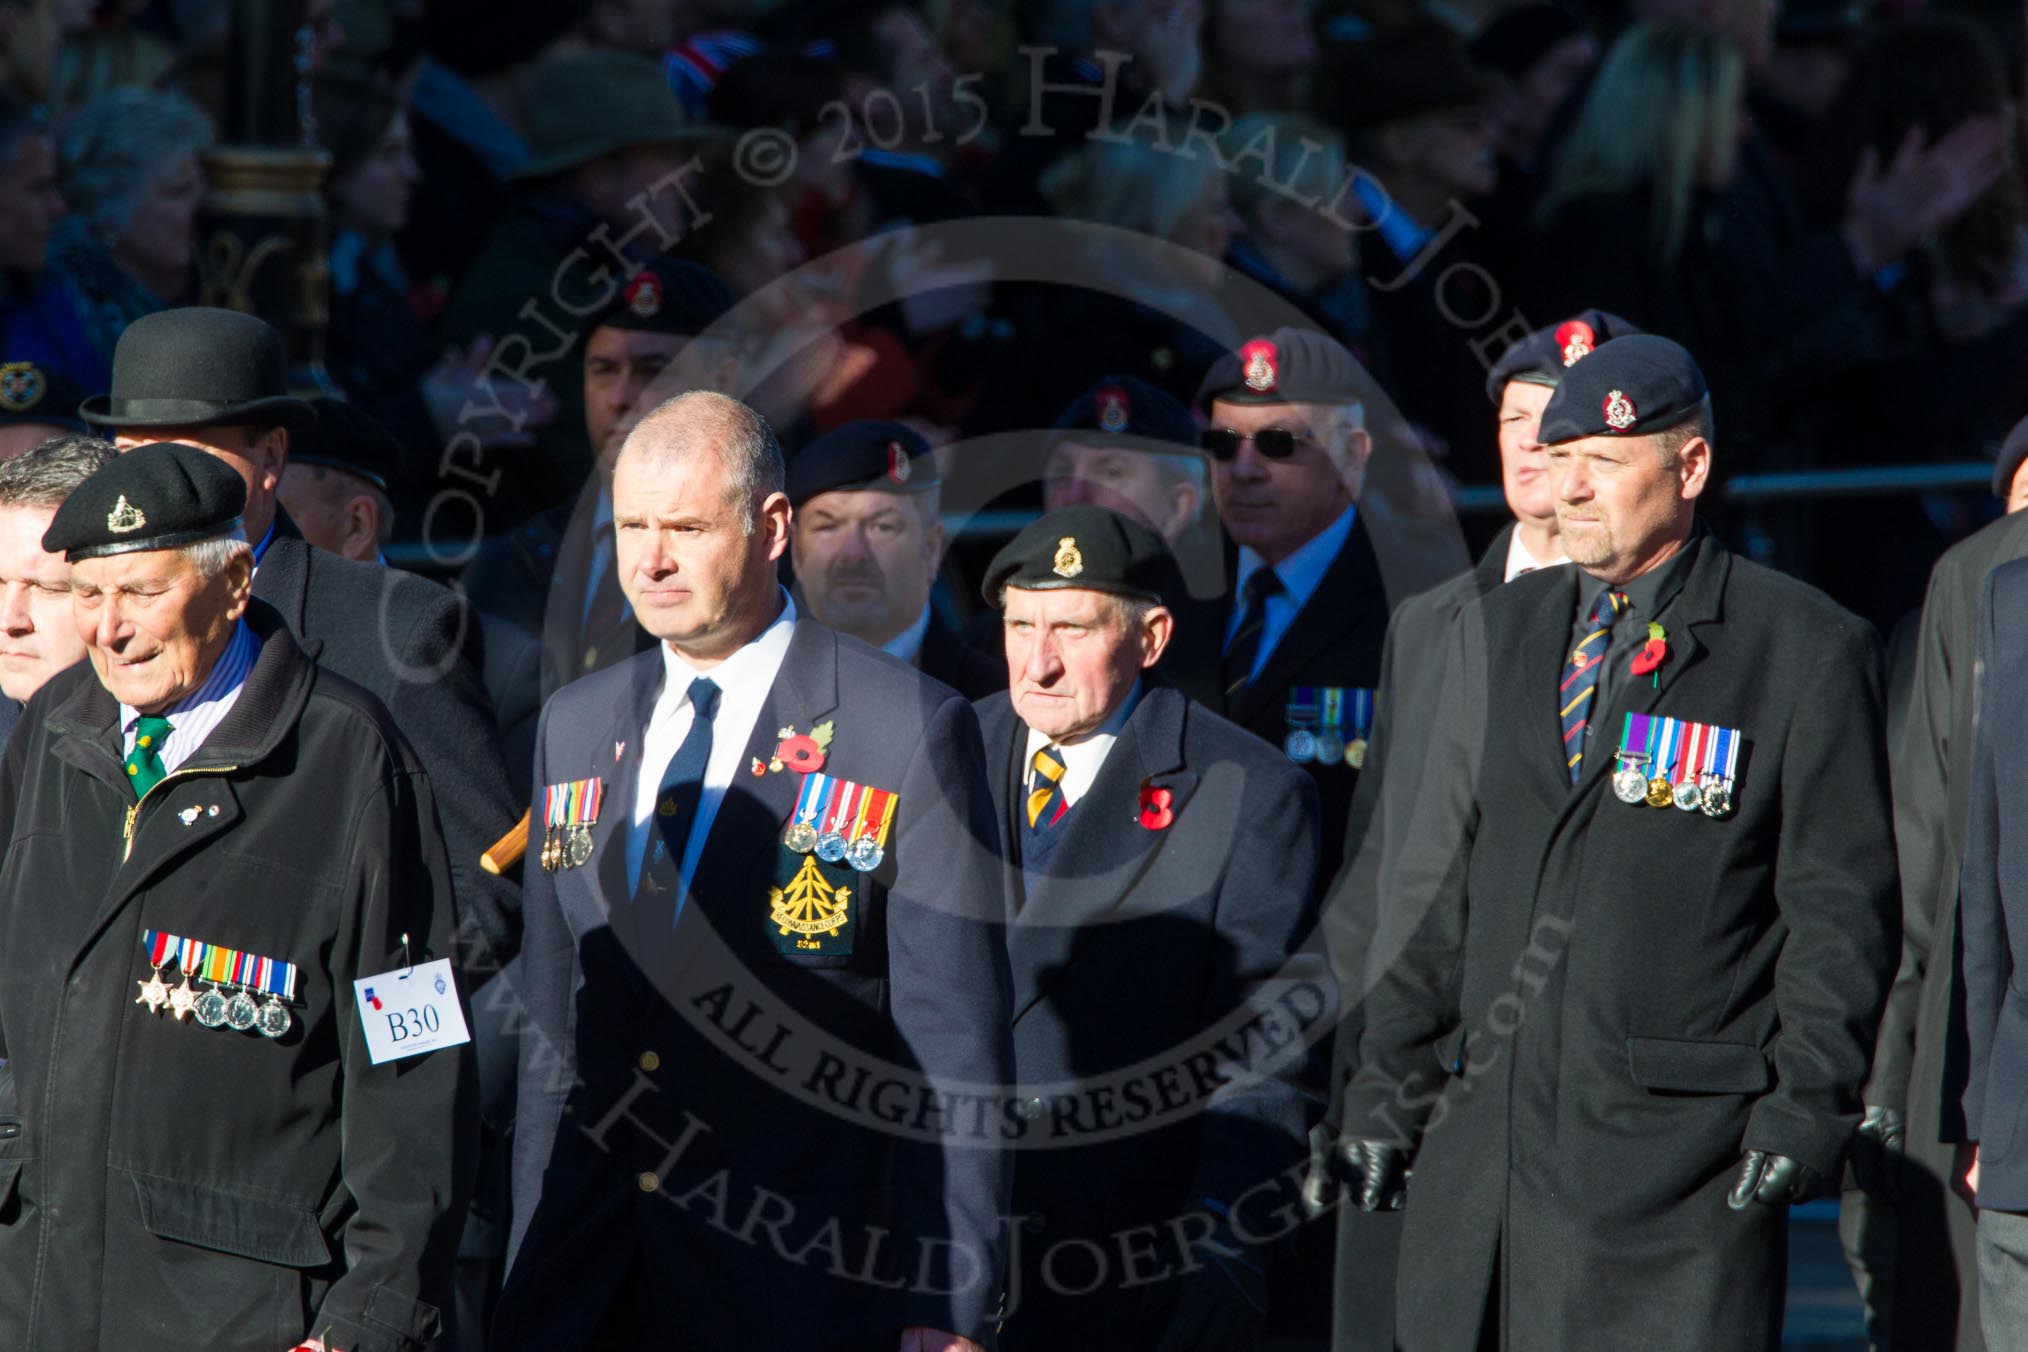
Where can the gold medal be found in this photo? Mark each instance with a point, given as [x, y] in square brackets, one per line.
[1660, 794]
[1355, 753]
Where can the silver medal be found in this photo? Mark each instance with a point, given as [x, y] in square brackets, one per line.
[1330, 747]
[211, 1008]
[1689, 797]
[1301, 746]
[865, 854]
[274, 1020]
[831, 847]
[241, 1013]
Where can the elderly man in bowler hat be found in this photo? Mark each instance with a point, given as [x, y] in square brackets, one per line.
[205, 1149]
[218, 380]
[1159, 849]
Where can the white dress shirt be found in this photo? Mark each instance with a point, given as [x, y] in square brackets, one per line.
[907, 645]
[743, 682]
[1520, 560]
[1082, 759]
[1302, 572]
[192, 718]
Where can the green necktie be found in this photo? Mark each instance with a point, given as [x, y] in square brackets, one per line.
[144, 767]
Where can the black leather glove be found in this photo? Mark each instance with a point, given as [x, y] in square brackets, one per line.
[1221, 1303]
[1323, 1182]
[1773, 1180]
[1379, 1169]
[1876, 1152]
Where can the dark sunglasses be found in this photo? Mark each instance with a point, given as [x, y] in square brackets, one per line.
[1274, 443]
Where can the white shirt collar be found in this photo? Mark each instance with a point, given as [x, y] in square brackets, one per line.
[737, 672]
[1520, 560]
[1082, 759]
[907, 645]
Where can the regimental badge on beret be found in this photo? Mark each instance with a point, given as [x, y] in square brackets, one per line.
[644, 295]
[1575, 341]
[1068, 561]
[21, 386]
[1260, 365]
[898, 466]
[125, 517]
[1619, 411]
[1114, 409]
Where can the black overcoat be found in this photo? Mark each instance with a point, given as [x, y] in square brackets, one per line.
[1622, 998]
[172, 1186]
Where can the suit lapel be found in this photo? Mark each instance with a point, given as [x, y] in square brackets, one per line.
[1351, 588]
[283, 580]
[1005, 738]
[1544, 645]
[1105, 844]
[563, 614]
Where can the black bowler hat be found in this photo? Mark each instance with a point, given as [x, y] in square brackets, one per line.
[1130, 408]
[42, 395]
[1088, 548]
[160, 496]
[1629, 387]
[1544, 355]
[867, 456]
[199, 366]
[667, 295]
[347, 440]
[1288, 366]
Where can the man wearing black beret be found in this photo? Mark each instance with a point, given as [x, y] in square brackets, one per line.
[1159, 850]
[203, 1148]
[1383, 806]
[554, 576]
[1130, 447]
[335, 485]
[865, 542]
[36, 403]
[1646, 921]
[219, 380]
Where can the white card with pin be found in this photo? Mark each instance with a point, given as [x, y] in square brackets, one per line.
[408, 1013]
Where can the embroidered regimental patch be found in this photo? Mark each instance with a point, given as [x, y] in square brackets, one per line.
[813, 906]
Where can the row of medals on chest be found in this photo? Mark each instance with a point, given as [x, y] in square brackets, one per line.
[1709, 793]
[214, 1008]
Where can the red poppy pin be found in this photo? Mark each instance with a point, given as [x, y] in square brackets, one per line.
[1653, 653]
[803, 753]
[1156, 813]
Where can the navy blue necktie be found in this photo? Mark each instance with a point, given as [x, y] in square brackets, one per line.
[1580, 678]
[683, 781]
[1244, 650]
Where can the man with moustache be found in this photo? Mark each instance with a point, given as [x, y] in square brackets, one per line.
[757, 812]
[38, 636]
[1647, 941]
[1383, 807]
[866, 544]
[230, 1165]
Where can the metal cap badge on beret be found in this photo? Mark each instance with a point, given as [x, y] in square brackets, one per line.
[1085, 547]
[160, 496]
[346, 439]
[1129, 407]
[198, 365]
[1288, 366]
[32, 393]
[1544, 355]
[866, 456]
[666, 295]
[1628, 387]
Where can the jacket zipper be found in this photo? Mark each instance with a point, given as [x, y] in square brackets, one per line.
[127, 831]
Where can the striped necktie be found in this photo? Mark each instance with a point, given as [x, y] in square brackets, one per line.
[1244, 650]
[1580, 676]
[1048, 766]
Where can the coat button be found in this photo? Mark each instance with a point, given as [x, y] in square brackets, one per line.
[9, 1130]
[1029, 1109]
[650, 1062]
[649, 1181]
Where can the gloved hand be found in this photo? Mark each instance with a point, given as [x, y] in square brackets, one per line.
[1221, 1305]
[1773, 1180]
[1380, 1171]
[1881, 1133]
[1323, 1184]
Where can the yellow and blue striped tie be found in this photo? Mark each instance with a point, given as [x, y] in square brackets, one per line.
[1048, 775]
[1580, 677]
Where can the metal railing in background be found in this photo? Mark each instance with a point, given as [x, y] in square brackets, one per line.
[1742, 490]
